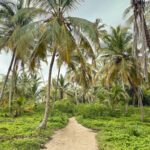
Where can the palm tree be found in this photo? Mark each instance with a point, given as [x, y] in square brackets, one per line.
[141, 34]
[117, 54]
[63, 35]
[16, 20]
[120, 66]
[62, 85]
[28, 86]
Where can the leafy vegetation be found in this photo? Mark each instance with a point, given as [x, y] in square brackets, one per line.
[120, 132]
[21, 133]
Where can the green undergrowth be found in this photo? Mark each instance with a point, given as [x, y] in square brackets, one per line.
[120, 132]
[21, 133]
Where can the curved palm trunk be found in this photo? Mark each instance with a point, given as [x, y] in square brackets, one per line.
[47, 105]
[8, 72]
[12, 85]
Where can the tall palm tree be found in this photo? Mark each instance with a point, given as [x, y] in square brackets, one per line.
[16, 18]
[117, 54]
[141, 34]
[62, 35]
[120, 65]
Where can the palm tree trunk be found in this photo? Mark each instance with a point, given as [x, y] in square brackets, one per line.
[8, 72]
[76, 97]
[61, 94]
[47, 105]
[144, 46]
[12, 86]
[146, 33]
[16, 76]
[10, 95]
[135, 35]
[134, 99]
[139, 94]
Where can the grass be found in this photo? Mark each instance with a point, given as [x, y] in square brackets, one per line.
[121, 133]
[20, 133]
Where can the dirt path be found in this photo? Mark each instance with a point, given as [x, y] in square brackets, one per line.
[73, 137]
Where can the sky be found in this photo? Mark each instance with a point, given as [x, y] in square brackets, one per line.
[110, 11]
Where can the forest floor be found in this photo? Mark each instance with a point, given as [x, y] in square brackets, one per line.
[73, 137]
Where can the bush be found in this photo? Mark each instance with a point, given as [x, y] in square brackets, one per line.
[92, 111]
[65, 106]
[135, 131]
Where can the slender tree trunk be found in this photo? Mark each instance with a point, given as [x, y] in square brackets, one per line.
[76, 97]
[61, 94]
[8, 72]
[135, 37]
[134, 99]
[15, 77]
[57, 82]
[144, 46]
[139, 12]
[12, 86]
[47, 105]
[147, 34]
[10, 95]
[139, 94]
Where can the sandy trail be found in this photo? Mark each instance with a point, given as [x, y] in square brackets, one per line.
[73, 137]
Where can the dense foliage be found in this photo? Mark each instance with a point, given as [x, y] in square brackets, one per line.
[21, 133]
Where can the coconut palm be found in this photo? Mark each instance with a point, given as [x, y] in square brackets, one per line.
[16, 18]
[117, 54]
[62, 35]
[120, 65]
[141, 34]
[62, 86]
[28, 86]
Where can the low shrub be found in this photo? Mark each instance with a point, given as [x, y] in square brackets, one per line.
[65, 106]
[135, 131]
[92, 111]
